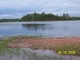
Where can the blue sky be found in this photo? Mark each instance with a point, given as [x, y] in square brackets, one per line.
[19, 8]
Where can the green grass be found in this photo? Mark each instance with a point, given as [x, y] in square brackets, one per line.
[70, 47]
[18, 37]
[4, 41]
[4, 49]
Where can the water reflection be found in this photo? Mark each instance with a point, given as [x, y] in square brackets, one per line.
[44, 30]
[48, 29]
[34, 26]
[29, 54]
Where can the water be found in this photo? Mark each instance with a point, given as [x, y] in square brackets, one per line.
[49, 29]
[29, 54]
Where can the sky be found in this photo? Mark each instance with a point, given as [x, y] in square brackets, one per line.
[19, 8]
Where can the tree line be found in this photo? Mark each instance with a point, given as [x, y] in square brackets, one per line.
[47, 17]
[42, 17]
[10, 20]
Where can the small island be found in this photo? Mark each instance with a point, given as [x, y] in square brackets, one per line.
[47, 17]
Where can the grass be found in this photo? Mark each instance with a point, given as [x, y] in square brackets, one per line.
[18, 37]
[71, 49]
[35, 56]
[68, 47]
[39, 46]
[5, 49]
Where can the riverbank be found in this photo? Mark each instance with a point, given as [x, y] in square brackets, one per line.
[65, 45]
[57, 44]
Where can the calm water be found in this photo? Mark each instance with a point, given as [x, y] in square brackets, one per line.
[49, 29]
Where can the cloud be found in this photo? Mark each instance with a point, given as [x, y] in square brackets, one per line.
[10, 16]
[12, 7]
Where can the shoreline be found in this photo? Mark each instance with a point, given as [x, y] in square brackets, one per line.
[38, 21]
[45, 42]
[68, 44]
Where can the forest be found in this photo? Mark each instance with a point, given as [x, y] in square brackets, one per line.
[42, 17]
[47, 17]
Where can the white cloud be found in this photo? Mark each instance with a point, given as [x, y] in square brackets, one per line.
[10, 16]
[53, 6]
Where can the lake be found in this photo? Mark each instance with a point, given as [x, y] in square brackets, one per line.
[44, 29]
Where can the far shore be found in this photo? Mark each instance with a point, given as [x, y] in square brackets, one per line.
[37, 21]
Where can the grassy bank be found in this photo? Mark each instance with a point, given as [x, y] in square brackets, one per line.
[69, 49]
[5, 50]
[4, 41]
[66, 49]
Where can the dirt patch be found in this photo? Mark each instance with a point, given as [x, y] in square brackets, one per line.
[43, 42]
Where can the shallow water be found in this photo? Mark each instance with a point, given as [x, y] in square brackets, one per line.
[29, 54]
[44, 29]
